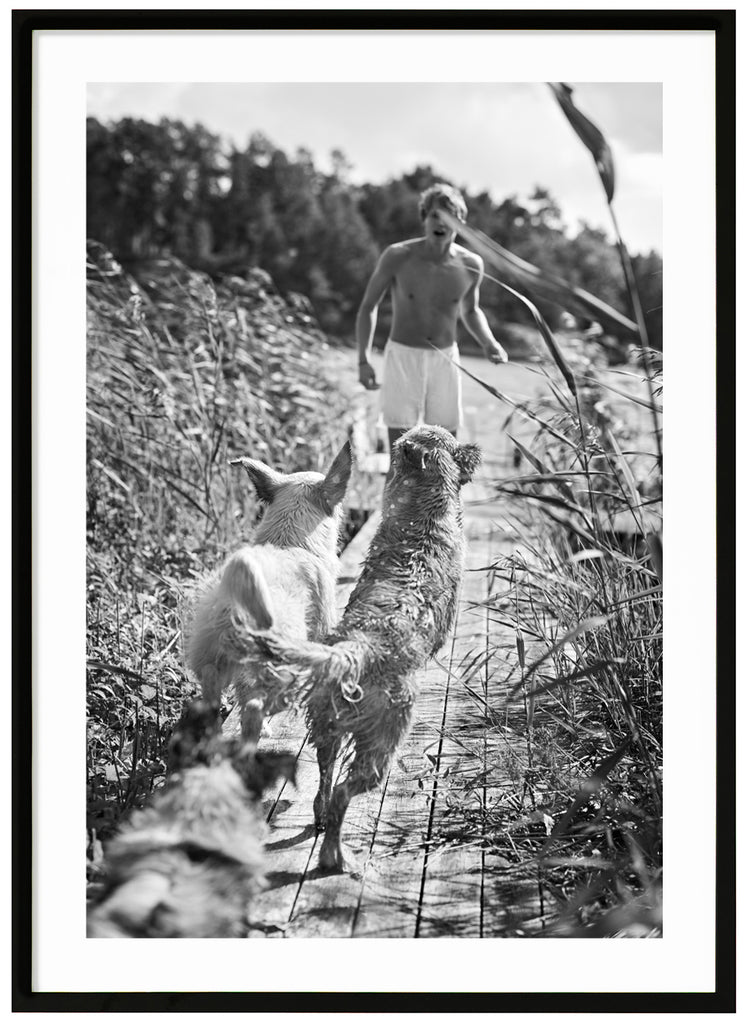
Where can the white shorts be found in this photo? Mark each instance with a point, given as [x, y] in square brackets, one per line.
[421, 385]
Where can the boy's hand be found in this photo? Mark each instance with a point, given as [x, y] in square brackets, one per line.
[497, 354]
[367, 376]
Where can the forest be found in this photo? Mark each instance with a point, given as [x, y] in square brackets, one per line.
[179, 191]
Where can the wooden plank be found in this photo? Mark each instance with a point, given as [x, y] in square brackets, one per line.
[450, 903]
[390, 898]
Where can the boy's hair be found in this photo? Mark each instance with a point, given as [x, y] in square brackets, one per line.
[442, 195]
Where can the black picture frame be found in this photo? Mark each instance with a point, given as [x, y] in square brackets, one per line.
[723, 999]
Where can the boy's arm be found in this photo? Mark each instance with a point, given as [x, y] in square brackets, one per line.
[475, 320]
[365, 321]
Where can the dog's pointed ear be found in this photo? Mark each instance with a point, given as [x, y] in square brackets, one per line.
[335, 483]
[266, 481]
[467, 457]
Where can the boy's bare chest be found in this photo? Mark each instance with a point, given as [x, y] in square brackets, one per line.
[442, 284]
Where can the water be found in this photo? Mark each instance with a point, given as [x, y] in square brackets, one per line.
[485, 416]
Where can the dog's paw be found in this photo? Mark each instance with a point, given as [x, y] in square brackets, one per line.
[332, 860]
[330, 857]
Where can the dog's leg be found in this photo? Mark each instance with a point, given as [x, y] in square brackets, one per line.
[326, 754]
[252, 716]
[366, 772]
[211, 682]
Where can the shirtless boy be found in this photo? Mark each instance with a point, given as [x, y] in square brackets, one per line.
[433, 281]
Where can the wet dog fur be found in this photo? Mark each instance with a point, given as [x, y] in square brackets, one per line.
[361, 682]
[285, 579]
[189, 864]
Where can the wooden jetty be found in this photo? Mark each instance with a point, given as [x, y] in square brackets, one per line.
[415, 874]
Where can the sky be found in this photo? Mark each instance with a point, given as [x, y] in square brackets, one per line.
[500, 137]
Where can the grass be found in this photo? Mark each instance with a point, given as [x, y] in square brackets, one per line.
[182, 376]
[576, 724]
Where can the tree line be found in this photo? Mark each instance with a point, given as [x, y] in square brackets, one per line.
[166, 188]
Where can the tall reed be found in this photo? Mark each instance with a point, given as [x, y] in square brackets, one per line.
[597, 144]
[183, 375]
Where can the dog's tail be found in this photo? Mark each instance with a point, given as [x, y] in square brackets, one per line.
[241, 600]
[339, 666]
[244, 590]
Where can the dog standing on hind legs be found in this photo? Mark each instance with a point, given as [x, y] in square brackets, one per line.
[285, 579]
[361, 683]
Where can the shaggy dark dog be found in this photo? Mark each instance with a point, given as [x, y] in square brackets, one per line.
[188, 865]
[361, 683]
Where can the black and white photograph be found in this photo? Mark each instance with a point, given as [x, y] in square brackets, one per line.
[370, 449]
[311, 337]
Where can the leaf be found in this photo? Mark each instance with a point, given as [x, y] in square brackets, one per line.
[653, 542]
[563, 486]
[586, 672]
[519, 407]
[117, 670]
[640, 595]
[650, 406]
[635, 498]
[595, 622]
[582, 556]
[587, 789]
[485, 247]
[520, 648]
[543, 282]
[112, 475]
[546, 500]
[100, 689]
[590, 135]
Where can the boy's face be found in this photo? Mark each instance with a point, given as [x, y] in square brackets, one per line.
[435, 225]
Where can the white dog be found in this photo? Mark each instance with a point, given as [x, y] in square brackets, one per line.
[285, 579]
